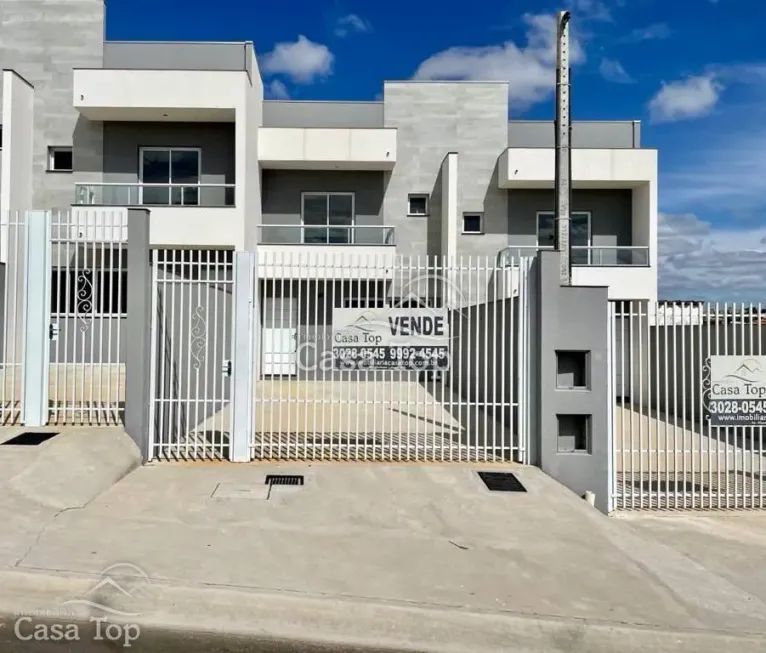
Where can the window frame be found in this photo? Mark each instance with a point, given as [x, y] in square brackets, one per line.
[426, 197]
[589, 214]
[52, 149]
[481, 223]
[171, 184]
[327, 194]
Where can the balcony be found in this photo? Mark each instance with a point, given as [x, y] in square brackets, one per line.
[326, 252]
[116, 194]
[277, 234]
[586, 256]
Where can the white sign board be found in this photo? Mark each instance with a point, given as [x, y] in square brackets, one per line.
[737, 392]
[406, 339]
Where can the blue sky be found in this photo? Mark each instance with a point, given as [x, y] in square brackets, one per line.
[693, 71]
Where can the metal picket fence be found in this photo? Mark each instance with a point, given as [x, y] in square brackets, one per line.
[311, 403]
[667, 454]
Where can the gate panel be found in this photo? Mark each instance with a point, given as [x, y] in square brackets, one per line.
[667, 454]
[88, 313]
[325, 407]
[13, 249]
[191, 339]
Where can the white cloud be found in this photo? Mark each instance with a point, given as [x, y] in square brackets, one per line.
[276, 90]
[303, 60]
[612, 71]
[691, 97]
[592, 9]
[653, 32]
[530, 69]
[698, 261]
[350, 24]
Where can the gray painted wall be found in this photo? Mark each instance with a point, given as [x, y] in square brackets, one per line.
[43, 41]
[433, 119]
[572, 319]
[282, 199]
[177, 55]
[611, 214]
[597, 134]
[123, 141]
[282, 113]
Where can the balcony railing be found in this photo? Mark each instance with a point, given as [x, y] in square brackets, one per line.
[587, 256]
[118, 194]
[278, 234]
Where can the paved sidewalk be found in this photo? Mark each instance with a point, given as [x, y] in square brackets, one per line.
[408, 557]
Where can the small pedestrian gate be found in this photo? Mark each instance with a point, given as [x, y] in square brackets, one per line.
[312, 392]
[668, 454]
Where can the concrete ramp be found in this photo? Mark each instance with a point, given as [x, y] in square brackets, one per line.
[72, 468]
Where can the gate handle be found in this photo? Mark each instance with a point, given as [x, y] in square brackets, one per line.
[226, 368]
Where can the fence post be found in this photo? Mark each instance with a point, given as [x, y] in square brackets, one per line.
[138, 331]
[37, 320]
[242, 346]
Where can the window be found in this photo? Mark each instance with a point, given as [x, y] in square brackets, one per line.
[170, 176]
[417, 205]
[60, 159]
[579, 234]
[328, 218]
[473, 223]
[89, 292]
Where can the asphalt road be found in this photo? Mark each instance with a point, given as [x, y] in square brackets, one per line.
[50, 637]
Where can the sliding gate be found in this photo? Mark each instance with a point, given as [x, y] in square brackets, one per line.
[398, 359]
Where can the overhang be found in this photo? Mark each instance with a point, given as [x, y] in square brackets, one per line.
[591, 168]
[326, 149]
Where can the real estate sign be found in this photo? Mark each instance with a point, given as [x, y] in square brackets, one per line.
[736, 393]
[405, 339]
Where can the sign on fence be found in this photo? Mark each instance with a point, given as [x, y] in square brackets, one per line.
[737, 391]
[406, 339]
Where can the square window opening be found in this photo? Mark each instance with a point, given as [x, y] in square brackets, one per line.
[60, 159]
[417, 205]
[572, 370]
[574, 434]
[473, 223]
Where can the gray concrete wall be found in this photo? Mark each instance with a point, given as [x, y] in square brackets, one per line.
[596, 134]
[284, 113]
[611, 214]
[572, 319]
[433, 119]
[44, 41]
[282, 191]
[176, 55]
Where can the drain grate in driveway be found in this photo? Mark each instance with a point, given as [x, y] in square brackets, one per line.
[30, 438]
[501, 482]
[284, 479]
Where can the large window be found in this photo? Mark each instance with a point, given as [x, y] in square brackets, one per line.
[579, 234]
[328, 218]
[170, 175]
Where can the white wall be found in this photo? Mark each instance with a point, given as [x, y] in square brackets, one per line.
[449, 204]
[251, 181]
[18, 147]
[326, 261]
[623, 282]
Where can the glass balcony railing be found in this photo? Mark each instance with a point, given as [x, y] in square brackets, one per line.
[115, 194]
[277, 234]
[587, 256]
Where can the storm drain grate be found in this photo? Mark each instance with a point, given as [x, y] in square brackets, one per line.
[284, 479]
[30, 438]
[501, 482]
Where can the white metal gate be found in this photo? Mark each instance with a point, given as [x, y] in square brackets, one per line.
[667, 455]
[475, 411]
[190, 414]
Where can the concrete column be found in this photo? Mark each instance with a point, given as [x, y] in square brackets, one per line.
[138, 332]
[37, 319]
[242, 345]
[573, 327]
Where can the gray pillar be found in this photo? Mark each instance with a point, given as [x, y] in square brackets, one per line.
[138, 331]
[573, 383]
